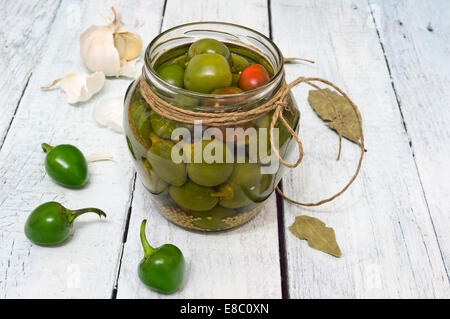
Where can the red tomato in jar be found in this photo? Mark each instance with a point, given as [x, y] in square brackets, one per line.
[253, 76]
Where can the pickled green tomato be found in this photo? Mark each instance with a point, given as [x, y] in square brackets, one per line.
[235, 79]
[238, 63]
[140, 117]
[185, 102]
[151, 180]
[172, 73]
[246, 186]
[263, 123]
[180, 61]
[162, 126]
[130, 147]
[208, 46]
[194, 197]
[207, 72]
[160, 158]
[213, 169]
[212, 219]
[283, 133]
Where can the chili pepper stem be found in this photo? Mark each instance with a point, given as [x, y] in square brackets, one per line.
[46, 147]
[148, 250]
[72, 214]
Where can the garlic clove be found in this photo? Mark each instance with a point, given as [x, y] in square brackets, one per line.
[97, 157]
[128, 68]
[109, 113]
[80, 87]
[105, 48]
[128, 44]
[98, 51]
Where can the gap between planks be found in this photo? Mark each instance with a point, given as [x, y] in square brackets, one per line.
[280, 209]
[282, 245]
[124, 238]
[130, 206]
[52, 21]
[15, 109]
[279, 206]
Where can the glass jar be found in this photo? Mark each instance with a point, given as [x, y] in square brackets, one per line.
[207, 195]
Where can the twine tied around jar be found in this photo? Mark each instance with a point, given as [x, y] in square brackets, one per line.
[277, 103]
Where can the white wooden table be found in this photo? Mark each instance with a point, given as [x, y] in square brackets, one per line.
[393, 224]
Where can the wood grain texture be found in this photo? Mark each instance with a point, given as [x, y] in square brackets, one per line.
[392, 225]
[251, 13]
[416, 40]
[23, 33]
[241, 263]
[85, 266]
[382, 222]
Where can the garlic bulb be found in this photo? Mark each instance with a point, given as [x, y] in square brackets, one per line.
[79, 87]
[109, 112]
[111, 48]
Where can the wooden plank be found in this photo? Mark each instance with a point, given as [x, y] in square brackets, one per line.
[241, 263]
[382, 223]
[22, 42]
[252, 13]
[415, 36]
[84, 267]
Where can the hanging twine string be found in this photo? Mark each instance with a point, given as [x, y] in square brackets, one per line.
[277, 103]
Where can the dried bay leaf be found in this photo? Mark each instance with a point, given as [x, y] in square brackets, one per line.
[316, 233]
[347, 123]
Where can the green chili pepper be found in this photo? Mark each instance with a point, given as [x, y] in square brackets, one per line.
[66, 165]
[162, 268]
[51, 223]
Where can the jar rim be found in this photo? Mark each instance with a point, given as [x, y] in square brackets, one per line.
[277, 72]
